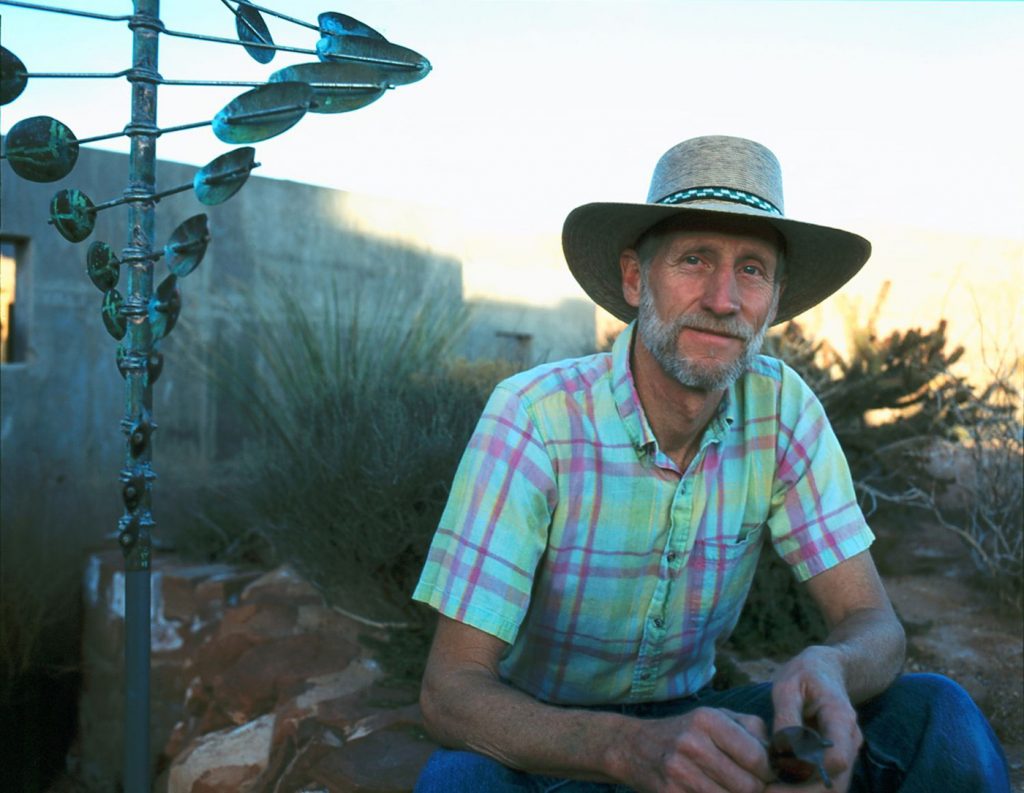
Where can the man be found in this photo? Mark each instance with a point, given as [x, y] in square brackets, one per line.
[606, 519]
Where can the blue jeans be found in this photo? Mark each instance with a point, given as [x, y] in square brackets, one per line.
[924, 734]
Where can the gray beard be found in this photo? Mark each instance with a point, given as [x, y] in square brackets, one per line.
[661, 338]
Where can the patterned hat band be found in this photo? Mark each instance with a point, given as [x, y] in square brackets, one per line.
[723, 194]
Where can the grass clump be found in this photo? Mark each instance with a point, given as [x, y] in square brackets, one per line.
[40, 631]
[355, 416]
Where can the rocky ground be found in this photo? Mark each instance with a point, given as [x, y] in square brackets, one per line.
[319, 713]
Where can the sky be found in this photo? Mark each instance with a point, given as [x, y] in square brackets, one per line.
[880, 112]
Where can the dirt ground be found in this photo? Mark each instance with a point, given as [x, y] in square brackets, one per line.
[954, 627]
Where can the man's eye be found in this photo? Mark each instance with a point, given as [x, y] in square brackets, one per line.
[752, 269]
[691, 259]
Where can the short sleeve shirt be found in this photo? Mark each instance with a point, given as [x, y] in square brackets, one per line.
[610, 573]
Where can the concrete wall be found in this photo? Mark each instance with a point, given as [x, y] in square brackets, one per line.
[62, 446]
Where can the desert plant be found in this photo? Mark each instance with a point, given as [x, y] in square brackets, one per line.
[356, 417]
[40, 632]
[887, 398]
[893, 402]
[986, 507]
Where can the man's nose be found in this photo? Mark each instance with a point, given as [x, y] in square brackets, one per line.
[721, 292]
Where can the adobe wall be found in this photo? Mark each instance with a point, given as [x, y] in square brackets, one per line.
[61, 406]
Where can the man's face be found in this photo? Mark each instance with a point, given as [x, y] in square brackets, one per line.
[706, 302]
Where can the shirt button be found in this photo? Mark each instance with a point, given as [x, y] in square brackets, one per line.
[671, 556]
[645, 675]
[659, 622]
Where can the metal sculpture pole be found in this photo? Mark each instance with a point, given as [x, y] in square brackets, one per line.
[356, 66]
[137, 475]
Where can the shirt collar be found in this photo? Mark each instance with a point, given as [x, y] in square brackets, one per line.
[627, 401]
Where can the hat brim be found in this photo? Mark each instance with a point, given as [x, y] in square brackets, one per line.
[819, 259]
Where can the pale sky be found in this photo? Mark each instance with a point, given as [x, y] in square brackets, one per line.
[880, 112]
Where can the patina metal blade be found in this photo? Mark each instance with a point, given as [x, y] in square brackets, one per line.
[251, 28]
[113, 320]
[333, 23]
[154, 365]
[73, 214]
[13, 76]
[41, 149]
[224, 176]
[401, 65]
[164, 307]
[262, 112]
[187, 244]
[102, 266]
[337, 87]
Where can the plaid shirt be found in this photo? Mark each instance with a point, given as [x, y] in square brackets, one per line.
[612, 574]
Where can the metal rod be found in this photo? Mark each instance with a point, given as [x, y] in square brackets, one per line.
[77, 75]
[137, 585]
[107, 136]
[268, 112]
[180, 127]
[155, 132]
[71, 11]
[248, 83]
[279, 15]
[137, 424]
[220, 40]
[155, 197]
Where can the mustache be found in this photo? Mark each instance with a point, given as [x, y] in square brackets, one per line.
[729, 326]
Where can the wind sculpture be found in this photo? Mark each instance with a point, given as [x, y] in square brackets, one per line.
[355, 66]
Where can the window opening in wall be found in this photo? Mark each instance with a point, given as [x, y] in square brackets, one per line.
[518, 347]
[10, 343]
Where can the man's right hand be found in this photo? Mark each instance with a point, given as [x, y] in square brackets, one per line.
[707, 750]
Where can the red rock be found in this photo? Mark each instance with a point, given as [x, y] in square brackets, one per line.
[280, 585]
[229, 757]
[387, 761]
[267, 672]
[228, 779]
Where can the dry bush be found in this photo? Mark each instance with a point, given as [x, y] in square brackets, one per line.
[355, 419]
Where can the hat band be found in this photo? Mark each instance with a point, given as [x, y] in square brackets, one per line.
[722, 193]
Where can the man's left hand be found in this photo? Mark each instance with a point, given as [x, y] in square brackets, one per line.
[809, 690]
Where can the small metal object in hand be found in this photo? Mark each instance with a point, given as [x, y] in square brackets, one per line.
[797, 754]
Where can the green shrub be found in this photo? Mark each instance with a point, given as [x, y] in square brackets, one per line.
[356, 421]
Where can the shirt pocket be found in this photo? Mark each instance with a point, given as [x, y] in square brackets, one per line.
[720, 570]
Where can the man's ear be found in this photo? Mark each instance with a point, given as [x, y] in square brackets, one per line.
[629, 265]
[780, 290]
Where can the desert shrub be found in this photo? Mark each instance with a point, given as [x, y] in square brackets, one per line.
[40, 632]
[986, 507]
[356, 417]
[892, 402]
[889, 396]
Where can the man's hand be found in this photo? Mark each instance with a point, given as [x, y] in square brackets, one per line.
[705, 751]
[809, 690]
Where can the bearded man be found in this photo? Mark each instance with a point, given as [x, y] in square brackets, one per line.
[606, 519]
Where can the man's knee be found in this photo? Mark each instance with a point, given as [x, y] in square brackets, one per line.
[931, 696]
[450, 771]
[926, 728]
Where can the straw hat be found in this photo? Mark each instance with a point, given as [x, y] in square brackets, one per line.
[708, 178]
